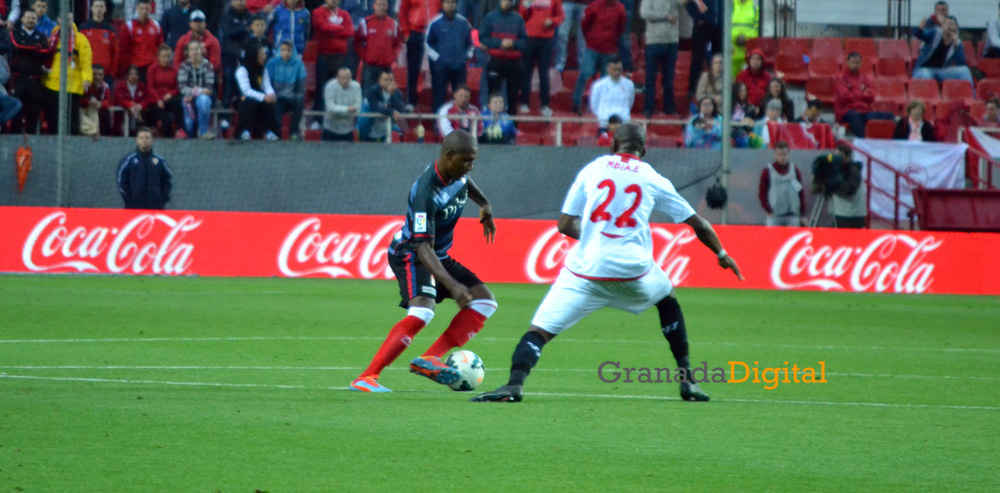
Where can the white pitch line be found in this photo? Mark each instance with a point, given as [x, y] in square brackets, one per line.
[550, 394]
[358, 368]
[486, 339]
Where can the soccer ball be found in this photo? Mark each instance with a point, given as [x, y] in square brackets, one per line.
[470, 366]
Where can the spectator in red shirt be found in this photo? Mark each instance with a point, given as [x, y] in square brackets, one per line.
[414, 17]
[164, 107]
[212, 50]
[332, 31]
[755, 78]
[131, 95]
[603, 24]
[141, 39]
[854, 94]
[102, 36]
[377, 41]
[541, 18]
[94, 105]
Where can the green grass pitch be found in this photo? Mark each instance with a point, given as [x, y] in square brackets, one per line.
[235, 385]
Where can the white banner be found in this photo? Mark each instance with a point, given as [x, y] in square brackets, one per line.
[932, 165]
[986, 141]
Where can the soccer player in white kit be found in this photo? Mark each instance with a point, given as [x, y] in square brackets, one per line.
[607, 209]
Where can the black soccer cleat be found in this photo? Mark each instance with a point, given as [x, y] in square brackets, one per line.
[692, 392]
[507, 393]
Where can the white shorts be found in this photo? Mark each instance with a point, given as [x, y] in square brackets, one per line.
[571, 298]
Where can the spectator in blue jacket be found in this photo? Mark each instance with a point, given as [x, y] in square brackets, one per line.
[290, 22]
[504, 35]
[497, 128]
[942, 56]
[174, 22]
[288, 78]
[387, 99]
[449, 46]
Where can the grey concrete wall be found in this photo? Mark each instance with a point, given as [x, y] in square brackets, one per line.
[337, 178]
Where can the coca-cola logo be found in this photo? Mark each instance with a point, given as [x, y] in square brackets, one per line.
[549, 251]
[307, 251]
[891, 262]
[138, 247]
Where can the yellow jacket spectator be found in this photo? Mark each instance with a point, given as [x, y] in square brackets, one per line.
[80, 63]
[80, 74]
[746, 25]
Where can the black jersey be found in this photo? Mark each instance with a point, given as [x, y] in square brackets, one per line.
[433, 211]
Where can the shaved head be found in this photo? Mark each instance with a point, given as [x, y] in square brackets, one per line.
[458, 153]
[459, 141]
[630, 138]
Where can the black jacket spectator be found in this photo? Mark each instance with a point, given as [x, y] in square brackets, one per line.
[234, 29]
[144, 180]
[175, 23]
[902, 131]
[30, 53]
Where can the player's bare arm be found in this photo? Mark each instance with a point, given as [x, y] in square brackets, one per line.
[570, 226]
[425, 252]
[706, 235]
[485, 210]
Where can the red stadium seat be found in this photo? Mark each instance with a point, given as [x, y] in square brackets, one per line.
[915, 45]
[957, 90]
[821, 88]
[827, 47]
[988, 89]
[863, 46]
[891, 90]
[793, 68]
[925, 90]
[665, 130]
[588, 141]
[769, 46]
[894, 48]
[893, 107]
[671, 142]
[990, 67]
[569, 78]
[308, 54]
[789, 46]
[473, 77]
[971, 55]
[892, 68]
[879, 129]
[824, 66]
[977, 110]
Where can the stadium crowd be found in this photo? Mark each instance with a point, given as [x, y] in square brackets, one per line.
[169, 64]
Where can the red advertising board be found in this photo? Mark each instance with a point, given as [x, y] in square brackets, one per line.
[46, 240]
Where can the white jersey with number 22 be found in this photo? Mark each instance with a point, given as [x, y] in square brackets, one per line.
[614, 196]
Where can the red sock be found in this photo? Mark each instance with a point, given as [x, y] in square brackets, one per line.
[398, 340]
[462, 329]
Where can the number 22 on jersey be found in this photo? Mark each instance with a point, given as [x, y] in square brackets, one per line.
[625, 219]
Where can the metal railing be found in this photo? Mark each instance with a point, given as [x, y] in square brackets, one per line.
[558, 123]
[894, 196]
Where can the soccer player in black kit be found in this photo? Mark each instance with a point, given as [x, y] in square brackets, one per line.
[418, 255]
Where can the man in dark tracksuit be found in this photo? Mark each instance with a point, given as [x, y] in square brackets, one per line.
[504, 34]
[449, 47]
[143, 176]
[29, 57]
[234, 29]
[707, 16]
